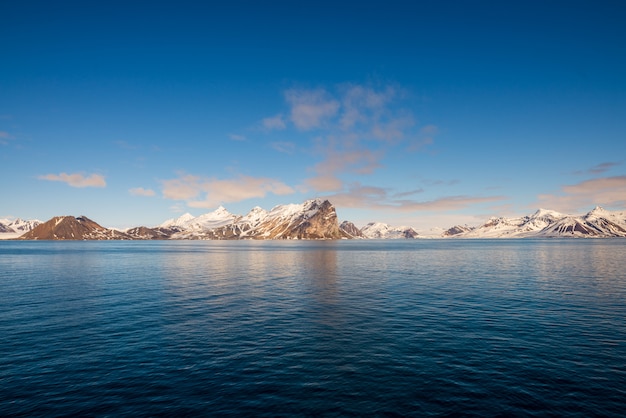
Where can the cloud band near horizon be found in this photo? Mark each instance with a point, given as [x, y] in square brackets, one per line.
[78, 180]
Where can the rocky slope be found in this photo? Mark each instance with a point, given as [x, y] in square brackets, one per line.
[599, 223]
[71, 228]
[313, 219]
[350, 230]
[17, 227]
[317, 219]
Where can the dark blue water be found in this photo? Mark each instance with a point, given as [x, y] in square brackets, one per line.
[347, 328]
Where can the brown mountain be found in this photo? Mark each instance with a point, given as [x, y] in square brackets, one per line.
[145, 233]
[349, 230]
[71, 228]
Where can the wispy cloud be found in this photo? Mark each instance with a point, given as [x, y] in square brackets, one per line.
[236, 137]
[76, 179]
[425, 137]
[274, 123]
[409, 193]
[126, 145]
[284, 147]
[364, 104]
[340, 157]
[200, 192]
[4, 138]
[599, 168]
[183, 188]
[438, 182]
[311, 109]
[606, 191]
[358, 196]
[140, 191]
[355, 127]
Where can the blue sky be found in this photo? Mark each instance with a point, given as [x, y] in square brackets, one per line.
[416, 113]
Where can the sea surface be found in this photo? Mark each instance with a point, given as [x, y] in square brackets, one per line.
[313, 328]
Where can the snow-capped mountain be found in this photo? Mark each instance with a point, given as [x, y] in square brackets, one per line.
[547, 223]
[178, 222]
[350, 230]
[457, 230]
[15, 228]
[313, 219]
[521, 227]
[378, 230]
[212, 220]
[317, 219]
[597, 223]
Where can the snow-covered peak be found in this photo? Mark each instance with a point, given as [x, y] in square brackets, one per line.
[20, 225]
[219, 217]
[221, 211]
[287, 211]
[180, 221]
[597, 212]
[379, 230]
[546, 213]
[255, 216]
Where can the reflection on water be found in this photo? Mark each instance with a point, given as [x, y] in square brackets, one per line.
[313, 328]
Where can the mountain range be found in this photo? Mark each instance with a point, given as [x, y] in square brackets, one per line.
[15, 228]
[315, 219]
[599, 223]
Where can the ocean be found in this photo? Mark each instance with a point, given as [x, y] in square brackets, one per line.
[313, 328]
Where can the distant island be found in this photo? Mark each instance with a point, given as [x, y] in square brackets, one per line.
[315, 219]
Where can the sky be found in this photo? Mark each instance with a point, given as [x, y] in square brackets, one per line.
[419, 113]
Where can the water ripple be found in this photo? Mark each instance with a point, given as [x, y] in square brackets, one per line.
[426, 328]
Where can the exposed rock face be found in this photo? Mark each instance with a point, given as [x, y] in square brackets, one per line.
[142, 232]
[71, 228]
[17, 225]
[314, 219]
[599, 223]
[456, 230]
[350, 230]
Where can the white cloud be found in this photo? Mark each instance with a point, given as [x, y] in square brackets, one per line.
[393, 129]
[202, 192]
[183, 188]
[357, 161]
[606, 191]
[76, 179]
[311, 109]
[140, 191]
[363, 104]
[599, 168]
[357, 125]
[274, 123]
[359, 196]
